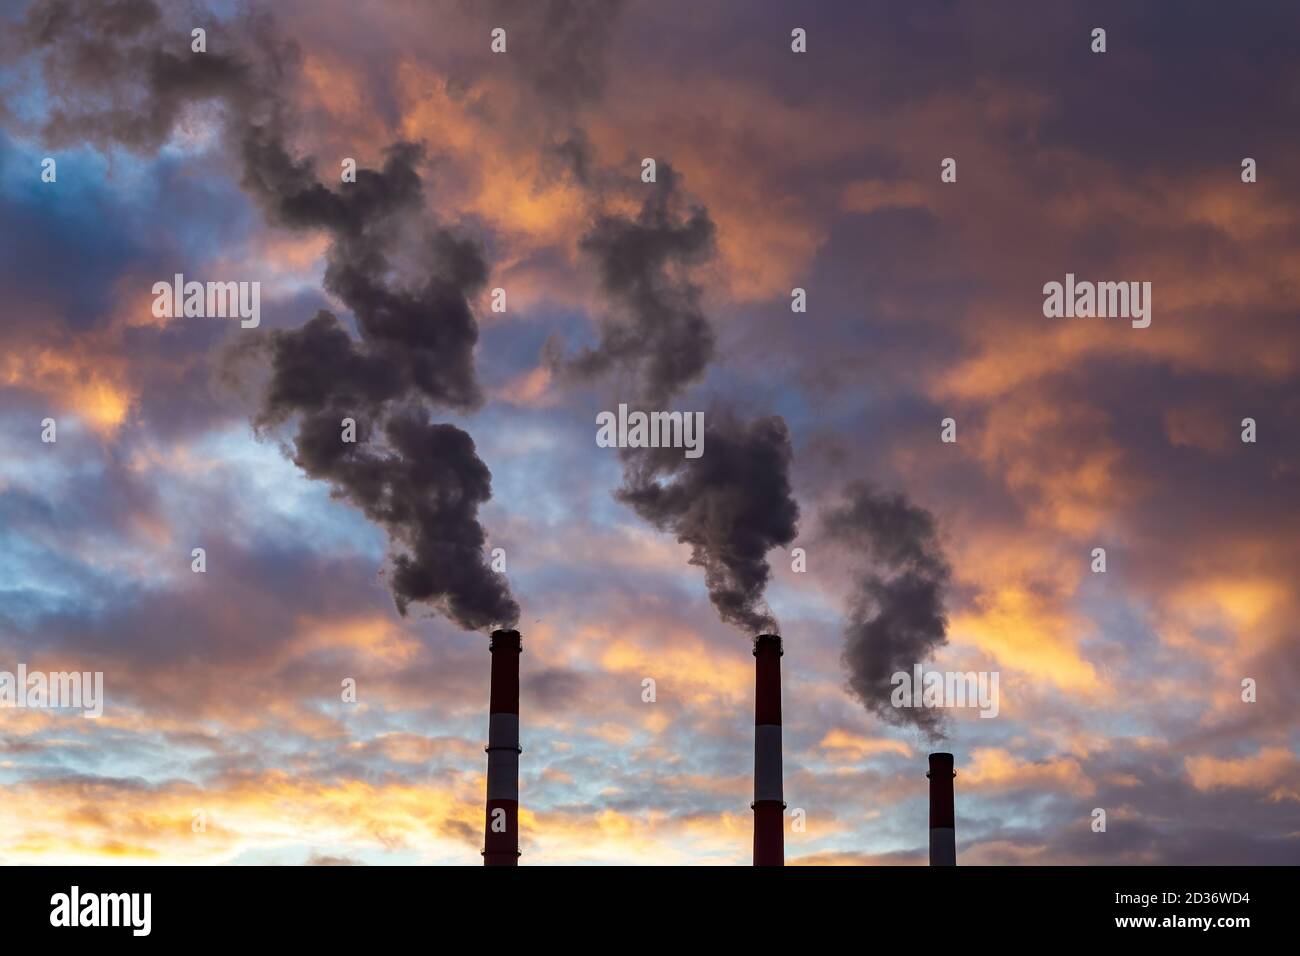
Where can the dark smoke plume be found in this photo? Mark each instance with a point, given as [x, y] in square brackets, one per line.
[416, 345]
[895, 615]
[424, 485]
[732, 505]
[123, 76]
[119, 74]
[423, 334]
[655, 336]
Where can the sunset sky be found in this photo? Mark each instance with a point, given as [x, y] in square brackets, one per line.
[816, 170]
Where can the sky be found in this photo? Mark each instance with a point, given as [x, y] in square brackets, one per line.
[226, 737]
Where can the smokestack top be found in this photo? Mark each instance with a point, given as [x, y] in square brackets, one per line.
[941, 763]
[505, 640]
[767, 643]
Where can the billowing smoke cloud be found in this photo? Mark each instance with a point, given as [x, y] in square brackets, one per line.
[732, 505]
[426, 483]
[119, 74]
[895, 614]
[122, 75]
[419, 338]
[655, 336]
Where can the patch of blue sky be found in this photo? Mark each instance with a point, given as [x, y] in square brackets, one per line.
[39, 582]
[80, 172]
[531, 455]
[45, 468]
[39, 575]
[791, 599]
[269, 496]
[21, 86]
[1125, 651]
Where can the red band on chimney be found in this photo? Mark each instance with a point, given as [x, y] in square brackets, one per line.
[501, 826]
[769, 805]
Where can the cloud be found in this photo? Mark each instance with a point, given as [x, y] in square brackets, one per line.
[1120, 690]
[1273, 771]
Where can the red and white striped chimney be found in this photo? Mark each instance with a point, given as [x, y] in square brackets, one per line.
[769, 805]
[501, 830]
[943, 834]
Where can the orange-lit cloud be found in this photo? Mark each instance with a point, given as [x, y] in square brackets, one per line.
[84, 821]
[1273, 771]
[841, 744]
[994, 769]
[91, 387]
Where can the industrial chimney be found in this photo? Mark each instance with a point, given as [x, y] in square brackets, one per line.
[501, 830]
[769, 805]
[943, 835]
